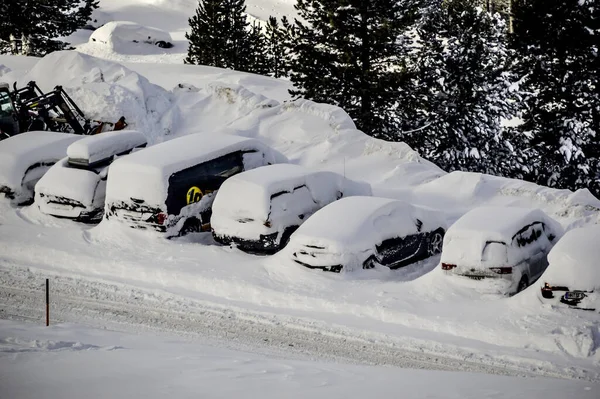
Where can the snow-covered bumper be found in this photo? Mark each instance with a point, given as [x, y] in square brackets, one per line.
[491, 281]
[323, 257]
[63, 207]
[266, 244]
[137, 215]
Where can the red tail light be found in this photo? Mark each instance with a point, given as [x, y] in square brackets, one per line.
[447, 266]
[501, 270]
[161, 217]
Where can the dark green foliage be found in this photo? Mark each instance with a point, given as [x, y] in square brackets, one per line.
[349, 53]
[43, 21]
[557, 42]
[278, 47]
[220, 36]
[463, 91]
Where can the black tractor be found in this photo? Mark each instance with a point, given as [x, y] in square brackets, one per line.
[28, 108]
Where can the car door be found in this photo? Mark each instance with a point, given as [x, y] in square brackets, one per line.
[400, 251]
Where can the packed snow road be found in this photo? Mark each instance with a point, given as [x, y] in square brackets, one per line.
[124, 308]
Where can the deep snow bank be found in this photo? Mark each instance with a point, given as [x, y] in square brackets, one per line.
[105, 91]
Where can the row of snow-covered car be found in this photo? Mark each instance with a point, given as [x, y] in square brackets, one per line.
[249, 196]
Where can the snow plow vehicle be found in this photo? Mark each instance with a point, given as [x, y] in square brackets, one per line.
[28, 109]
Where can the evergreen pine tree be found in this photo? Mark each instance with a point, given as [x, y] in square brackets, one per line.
[207, 38]
[347, 54]
[42, 22]
[463, 90]
[220, 36]
[557, 42]
[256, 51]
[277, 51]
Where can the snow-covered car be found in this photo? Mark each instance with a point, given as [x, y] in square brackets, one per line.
[507, 246]
[573, 276]
[258, 210]
[170, 187]
[26, 157]
[75, 186]
[117, 33]
[365, 232]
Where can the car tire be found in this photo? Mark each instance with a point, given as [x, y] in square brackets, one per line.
[285, 236]
[370, 262]
[163, 44]
[191, 225]
[436, 240]
[523, 283]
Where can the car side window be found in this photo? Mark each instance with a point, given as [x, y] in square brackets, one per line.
[529, 234]
[200, 179]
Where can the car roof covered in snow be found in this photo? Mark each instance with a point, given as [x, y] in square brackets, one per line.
[496, 223]
[575, 260]
[145, 174]
[370, 220]
[97, 148]
[128, 31]
[250, 192]
[20, 152]
[183, 152]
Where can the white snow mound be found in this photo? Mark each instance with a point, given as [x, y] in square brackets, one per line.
[120, 36]
[575, 260]
[105, 91]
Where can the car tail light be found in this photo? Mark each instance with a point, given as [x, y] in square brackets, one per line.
[447, 266]
[161, 217]
[501, 270]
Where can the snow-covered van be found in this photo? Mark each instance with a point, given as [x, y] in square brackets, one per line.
[258, 210]
[170, 187]
[75, 186]
[507, 246]
[367, 232]
[573, 275]
[26, 157]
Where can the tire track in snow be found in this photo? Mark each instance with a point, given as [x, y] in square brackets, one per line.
[124, 308]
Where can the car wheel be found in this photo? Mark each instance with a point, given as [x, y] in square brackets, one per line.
[285, 237]
[191, 225]
[436, 240]
[523, 283]
[162, 44]
[370, 262]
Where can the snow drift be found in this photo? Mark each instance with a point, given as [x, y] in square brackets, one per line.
[105, 91]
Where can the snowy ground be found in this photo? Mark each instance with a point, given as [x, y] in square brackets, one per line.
[117, 278]
[71, 361]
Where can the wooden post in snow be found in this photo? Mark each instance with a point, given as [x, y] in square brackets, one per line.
[47, 302]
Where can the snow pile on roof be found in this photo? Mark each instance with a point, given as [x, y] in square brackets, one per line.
[359, 222]
[495, 223]
[575, 260]
[105, 91]
[144, 174]
[20, 152]
[298, 190]
[466, 239]
[101, 146]
[123, 36]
